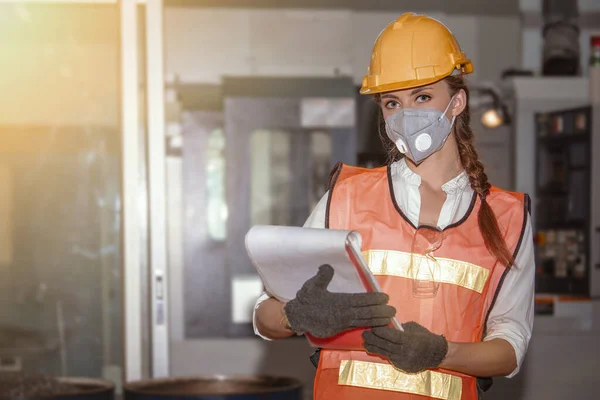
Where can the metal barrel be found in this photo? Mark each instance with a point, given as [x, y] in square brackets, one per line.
[78, 389]
[215, 388]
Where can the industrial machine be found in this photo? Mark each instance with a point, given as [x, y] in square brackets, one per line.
[267, 163]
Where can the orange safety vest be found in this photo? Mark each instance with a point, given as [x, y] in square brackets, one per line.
[363, 200]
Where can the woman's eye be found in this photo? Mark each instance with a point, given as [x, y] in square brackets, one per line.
[423, 98]
[392, 104]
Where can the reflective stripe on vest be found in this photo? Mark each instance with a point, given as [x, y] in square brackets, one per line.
[454, 272]
[469, 277]
[372, 375]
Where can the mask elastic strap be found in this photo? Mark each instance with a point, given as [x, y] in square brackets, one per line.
[446, 110]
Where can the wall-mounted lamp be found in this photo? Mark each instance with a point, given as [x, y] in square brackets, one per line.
[491, 118]
[495, 113]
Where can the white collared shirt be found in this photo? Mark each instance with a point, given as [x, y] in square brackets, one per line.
[511, 317]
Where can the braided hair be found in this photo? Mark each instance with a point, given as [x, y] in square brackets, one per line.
[488, 224]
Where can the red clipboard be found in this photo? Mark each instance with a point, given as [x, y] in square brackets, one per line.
[352, 339]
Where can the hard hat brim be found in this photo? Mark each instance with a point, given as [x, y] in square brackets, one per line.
[466, 68]
[393, 87]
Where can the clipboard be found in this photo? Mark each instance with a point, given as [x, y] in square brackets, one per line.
[286, 257]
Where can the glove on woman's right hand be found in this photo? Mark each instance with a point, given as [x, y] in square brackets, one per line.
[321, 313]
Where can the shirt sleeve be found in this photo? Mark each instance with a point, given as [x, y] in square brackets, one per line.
[511, 318]
[315, 220]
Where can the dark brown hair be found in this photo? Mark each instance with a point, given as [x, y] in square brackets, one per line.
[488, 224]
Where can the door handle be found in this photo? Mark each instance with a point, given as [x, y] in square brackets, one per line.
[597, 247]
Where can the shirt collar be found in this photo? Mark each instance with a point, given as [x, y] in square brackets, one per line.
[406, 174]
[458, 184]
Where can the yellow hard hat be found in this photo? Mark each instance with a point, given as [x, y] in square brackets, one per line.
[414, 50]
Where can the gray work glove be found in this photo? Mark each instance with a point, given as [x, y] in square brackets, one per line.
[323, 314]
[412, 351]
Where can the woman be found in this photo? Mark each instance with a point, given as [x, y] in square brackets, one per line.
[454, 255]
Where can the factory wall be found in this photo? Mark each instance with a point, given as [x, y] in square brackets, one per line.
[313, 42]
[79, 84]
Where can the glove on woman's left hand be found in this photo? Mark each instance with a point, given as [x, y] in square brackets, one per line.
[412, 351]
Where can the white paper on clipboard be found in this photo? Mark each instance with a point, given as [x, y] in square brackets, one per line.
[285, 257]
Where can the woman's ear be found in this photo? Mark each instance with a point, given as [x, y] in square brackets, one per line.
[459, 103]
